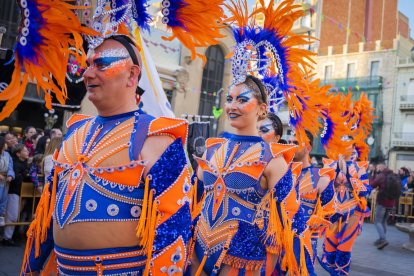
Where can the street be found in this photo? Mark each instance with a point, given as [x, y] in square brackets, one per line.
[393, 260]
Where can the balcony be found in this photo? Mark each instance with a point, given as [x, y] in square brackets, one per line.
[357, 84]
[403, 139]
[406, 102]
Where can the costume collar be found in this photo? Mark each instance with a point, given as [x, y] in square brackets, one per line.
[241, 138]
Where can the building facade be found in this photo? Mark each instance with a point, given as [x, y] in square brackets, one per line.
[360, 43]
[401, 153]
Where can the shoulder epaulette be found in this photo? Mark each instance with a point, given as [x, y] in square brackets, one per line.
[214, 141]
[76, 118]
[178, 128]
[329, 172]
[286, 150]
[327, 162]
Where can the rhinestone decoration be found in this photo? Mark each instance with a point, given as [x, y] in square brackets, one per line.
[91, 205]
[113, 210]
[136, 211]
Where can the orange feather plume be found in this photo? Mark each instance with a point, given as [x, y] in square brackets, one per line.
[196, 23]
[60, 30]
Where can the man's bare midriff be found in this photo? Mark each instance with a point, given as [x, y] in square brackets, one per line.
[96, 235]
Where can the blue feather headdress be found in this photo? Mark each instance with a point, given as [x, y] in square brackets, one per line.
[271, 53]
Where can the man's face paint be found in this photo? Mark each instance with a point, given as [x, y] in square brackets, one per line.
[108, 61]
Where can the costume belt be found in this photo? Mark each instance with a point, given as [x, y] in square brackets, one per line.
[111, 261]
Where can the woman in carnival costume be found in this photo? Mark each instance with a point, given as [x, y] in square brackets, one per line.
[118, 199]
[313, 185]
[343, 119]
[247, 218]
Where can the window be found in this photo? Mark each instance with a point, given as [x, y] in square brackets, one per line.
[9, 18]
[374, 68]
[328, 72]
[212, 79]
[350, 70]
[410, 90]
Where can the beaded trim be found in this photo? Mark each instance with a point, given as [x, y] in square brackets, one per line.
[101, 257]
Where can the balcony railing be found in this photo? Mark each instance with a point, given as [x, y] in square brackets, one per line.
[407, 102]
[403, 139]
[357, 84]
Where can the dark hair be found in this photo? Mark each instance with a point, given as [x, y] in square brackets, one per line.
[310, 137]
[258, 87]
[276, 123]
[283, 141]
[26, 130]
[405, 170]
[2, 143]
[34, 137]
[37, 159]
[17, 148]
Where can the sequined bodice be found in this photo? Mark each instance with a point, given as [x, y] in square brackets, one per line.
[98, 174]
[234, 167]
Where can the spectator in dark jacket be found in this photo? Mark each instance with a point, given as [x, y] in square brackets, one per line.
[384, 204]
[20, 167]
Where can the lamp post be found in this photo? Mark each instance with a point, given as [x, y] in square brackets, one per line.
[50, 118]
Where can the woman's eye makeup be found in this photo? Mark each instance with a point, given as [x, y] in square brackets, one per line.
[264, 130]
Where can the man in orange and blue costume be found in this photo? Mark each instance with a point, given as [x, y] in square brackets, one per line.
[118, 199]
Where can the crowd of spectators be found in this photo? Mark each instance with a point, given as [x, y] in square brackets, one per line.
[389, 187]
[23, 158]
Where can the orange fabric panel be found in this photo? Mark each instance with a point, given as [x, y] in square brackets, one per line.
[169, 200]
[128, 177]
[203, 164]
[76, 118]
[170, 126]
[327, 162]
[363, 164]
[291, 204]
[329, 172]
[214, 141]
[163, 261]
[288, 151]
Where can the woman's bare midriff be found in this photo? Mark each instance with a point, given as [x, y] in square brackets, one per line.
[96, 235]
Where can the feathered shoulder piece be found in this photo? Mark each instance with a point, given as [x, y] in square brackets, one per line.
[335, 127]
[196, 23]
[49, 31]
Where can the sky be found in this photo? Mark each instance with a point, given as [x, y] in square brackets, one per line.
[407, 8]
